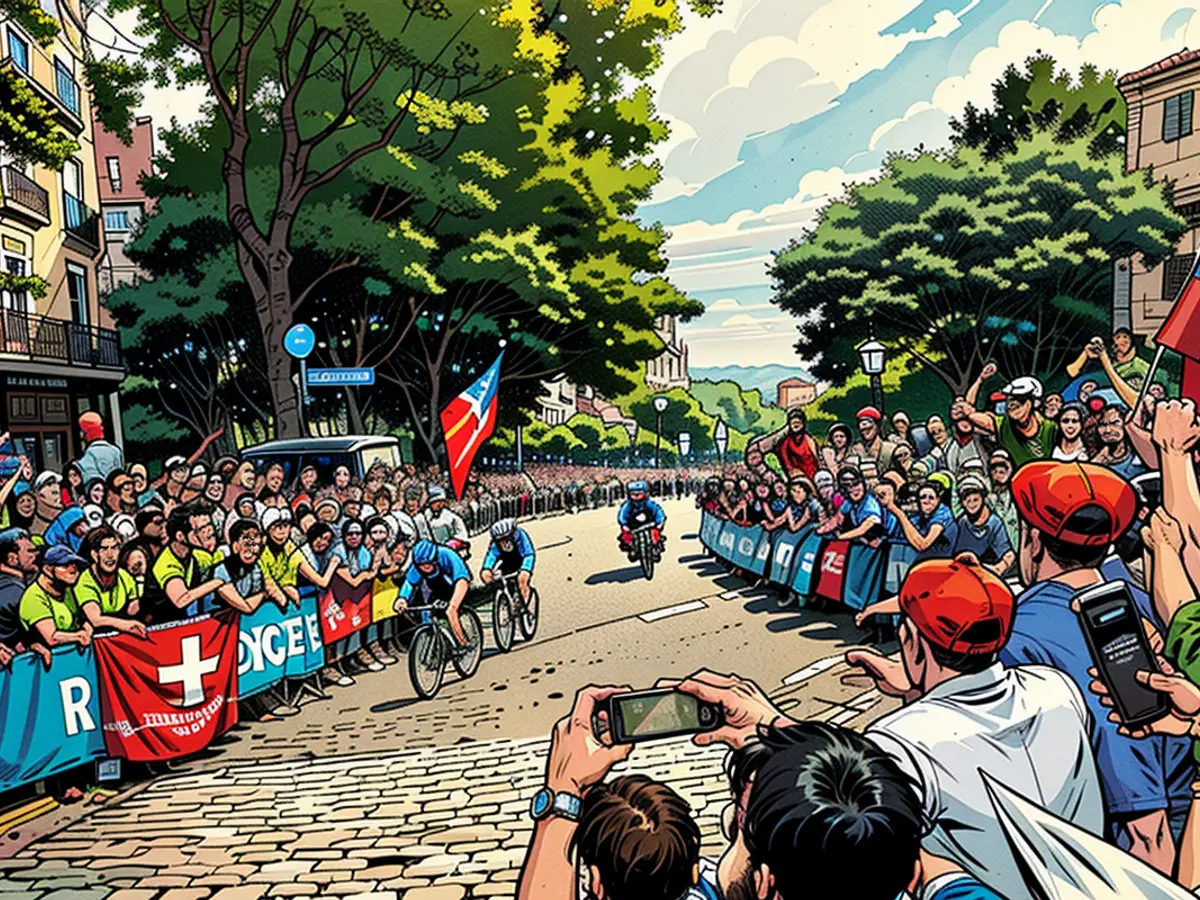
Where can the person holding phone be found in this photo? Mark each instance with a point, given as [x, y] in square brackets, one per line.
[1071, 514]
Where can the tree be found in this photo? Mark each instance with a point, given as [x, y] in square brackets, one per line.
[741, 410]
[355, 161]
[960, 259]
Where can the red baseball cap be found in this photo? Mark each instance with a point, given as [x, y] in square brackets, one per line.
[869, 412]
[958, 606]
[1049, 494]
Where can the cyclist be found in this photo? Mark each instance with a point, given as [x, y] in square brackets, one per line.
[638, 510]
[442, 577]
[511, 550]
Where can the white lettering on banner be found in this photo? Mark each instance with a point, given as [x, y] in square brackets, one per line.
[764, 551]
[833, 563]
[314, 631]
[276, 643]
[295, 637]
[76, 693]
[191, 670]
[806, 562]
[726, 541]
[746, 545]
[783, 555]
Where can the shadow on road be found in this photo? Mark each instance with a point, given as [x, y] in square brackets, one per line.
[615, 576]
[392, 705]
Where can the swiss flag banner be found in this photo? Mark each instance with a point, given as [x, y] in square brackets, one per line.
[172, 693]
[832, 576]
[344, 610]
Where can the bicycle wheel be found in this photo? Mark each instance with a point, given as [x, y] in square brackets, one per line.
[503, 626]
[646, 555]
[528, 619]
[467, 663]
[426, 662]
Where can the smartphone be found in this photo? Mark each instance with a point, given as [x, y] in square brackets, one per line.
[651, 715]
[1113, 630]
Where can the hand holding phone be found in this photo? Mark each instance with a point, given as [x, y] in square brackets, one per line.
[637, 716]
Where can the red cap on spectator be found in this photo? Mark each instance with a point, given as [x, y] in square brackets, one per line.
[92, 426]
[958, 606]
[1095, 404]
[1049, 494]
[869, 412]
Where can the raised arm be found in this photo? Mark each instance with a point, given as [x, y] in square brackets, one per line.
[916, 540]
[972, 396]
[1128, 395]
[1176, 434]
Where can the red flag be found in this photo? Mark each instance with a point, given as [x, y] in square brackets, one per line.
[172, 694]
[344, 610]
[1181, 331]
[468, 421]
[832, 577]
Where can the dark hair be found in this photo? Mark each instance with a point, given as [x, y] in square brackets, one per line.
[1122, 330]
[641, 837]
[110, 482]
[797, 413]
[966, 663]
[302, 510]
[145, 517]
[96, 537]
[239, 529]
[10, 545]
[825, 798]
[181, 517]
[1089, 520]
[318, 530]
[376, 520]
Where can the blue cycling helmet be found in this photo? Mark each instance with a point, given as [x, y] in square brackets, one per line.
[424, 553]
[636, 486]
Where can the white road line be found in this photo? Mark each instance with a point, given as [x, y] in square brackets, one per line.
[678, 609]
[729, 595]
[861, 704]
[816, 668]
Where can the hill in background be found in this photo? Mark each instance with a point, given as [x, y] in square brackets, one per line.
[760, 378]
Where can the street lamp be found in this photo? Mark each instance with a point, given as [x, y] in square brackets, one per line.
[631, 427]
[660, 406]
[721, 438]
[685, 444]
[874, 357]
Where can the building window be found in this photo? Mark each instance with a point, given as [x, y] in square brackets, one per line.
[74, 211]
[66, 87]
[116, 219]
[1177, 116]
[114, 173]
[1175, 273]
[77, 290]
[23, 408]
[17, 300]
[18, 50]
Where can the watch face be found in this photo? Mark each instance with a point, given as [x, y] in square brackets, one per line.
[542, 801]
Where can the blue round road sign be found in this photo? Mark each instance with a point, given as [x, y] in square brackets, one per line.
[299, 341]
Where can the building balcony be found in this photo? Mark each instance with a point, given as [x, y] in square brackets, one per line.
[82, 223]
[23, 198]
[64, 99]
[43, 339]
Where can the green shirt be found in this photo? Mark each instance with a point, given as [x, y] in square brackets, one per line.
[1134, 370]
[112, 600]
[1022, 449]
[37, 606]
[1182, 648]
[282, 568]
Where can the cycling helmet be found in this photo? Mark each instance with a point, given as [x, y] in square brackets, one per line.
[424, 553]
[635, 487]
[502, 529]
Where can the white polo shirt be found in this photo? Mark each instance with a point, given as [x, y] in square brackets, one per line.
[1027, 727]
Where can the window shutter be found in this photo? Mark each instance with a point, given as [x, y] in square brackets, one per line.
[1171, 119]
[1185, 113]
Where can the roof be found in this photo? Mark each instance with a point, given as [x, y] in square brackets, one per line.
[346, 444]
[1163, 65]
[794, 382]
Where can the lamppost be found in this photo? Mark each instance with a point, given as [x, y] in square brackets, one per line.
[721, 439]
[874, 356]
[631, 426]
[685, 444]
[660, 406]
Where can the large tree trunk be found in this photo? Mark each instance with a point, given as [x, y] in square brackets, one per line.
[274, 310]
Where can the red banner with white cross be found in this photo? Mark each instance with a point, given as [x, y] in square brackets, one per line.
[344, 610]
[169, 694]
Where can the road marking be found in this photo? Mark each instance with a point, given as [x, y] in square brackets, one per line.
[816, 668]
[729, 595]
[677, 610]
[857, 705]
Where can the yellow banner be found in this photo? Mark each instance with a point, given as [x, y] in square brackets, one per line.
[383, 596]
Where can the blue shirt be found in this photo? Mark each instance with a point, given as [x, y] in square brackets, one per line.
[521, 557]
[450, 569]
[1136, 776]
[1130, 467]
[629, 509]
[939, 549]
[891, 528]
[857, 513]
[964, 887]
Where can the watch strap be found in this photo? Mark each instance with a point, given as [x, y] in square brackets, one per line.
[567, 806]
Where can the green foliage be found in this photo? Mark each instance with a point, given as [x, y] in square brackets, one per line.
[742, 410]
[29, 131]
[31, 285]
[1040, 98]
[29, 14]
[115, 87]
[148, 433]
[963, 259]
[907, 385]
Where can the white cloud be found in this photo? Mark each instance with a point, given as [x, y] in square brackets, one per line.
[732, 304]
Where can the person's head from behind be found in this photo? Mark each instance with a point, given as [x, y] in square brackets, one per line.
[134, 559]
[636, 840]
[103, 549]
[1071, 513]
[246, 541]
[818, 810]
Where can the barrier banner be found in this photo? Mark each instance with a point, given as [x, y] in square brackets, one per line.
[745, 546]
[710, 530]
[804, 565]
[864, 575]
[49, 720]
[832, 576]
[762, 553]
[344, 611]
[726, 541]
[274, 644]
[783, 554]
[383, 598]
[171, 693]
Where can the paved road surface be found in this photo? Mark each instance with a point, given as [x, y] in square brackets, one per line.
[375, 793]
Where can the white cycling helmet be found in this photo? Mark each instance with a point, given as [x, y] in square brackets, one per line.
[502, 529]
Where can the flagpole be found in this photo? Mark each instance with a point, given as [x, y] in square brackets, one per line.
[1142, 391]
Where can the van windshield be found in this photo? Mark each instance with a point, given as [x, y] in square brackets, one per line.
[292, 463]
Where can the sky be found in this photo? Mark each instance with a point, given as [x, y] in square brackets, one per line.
[776, 105]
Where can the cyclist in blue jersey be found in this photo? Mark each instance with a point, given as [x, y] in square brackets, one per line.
[638, 510]
[442, 577]
[511, 551]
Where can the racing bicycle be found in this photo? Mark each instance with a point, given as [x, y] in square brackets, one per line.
[510, 612]
[645, 550]
[433, 645]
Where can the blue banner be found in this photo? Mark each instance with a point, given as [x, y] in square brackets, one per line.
[710, 530]
[784, 555]
[805, 564]
[50, 719]
[864, 575]
[745, 545]
[762, 553]
[726, 541]
[274, 645]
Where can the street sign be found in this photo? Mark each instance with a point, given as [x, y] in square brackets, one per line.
[299, 341]
[340, 377]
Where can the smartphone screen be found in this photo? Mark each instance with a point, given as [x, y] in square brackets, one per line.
[658, 714]
[1120, 649]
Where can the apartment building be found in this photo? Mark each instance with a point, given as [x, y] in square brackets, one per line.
[123, 200]
[59, 355]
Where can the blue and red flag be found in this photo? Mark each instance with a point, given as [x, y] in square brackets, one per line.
[468, 421]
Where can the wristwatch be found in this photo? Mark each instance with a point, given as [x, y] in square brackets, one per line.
[547, 803]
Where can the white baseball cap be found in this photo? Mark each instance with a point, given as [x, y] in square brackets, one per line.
[46, 478]
[274, 515]
[1025, 386]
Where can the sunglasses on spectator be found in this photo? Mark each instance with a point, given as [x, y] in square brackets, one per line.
[732, 820]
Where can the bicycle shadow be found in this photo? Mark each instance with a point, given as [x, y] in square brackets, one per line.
[615, 576]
